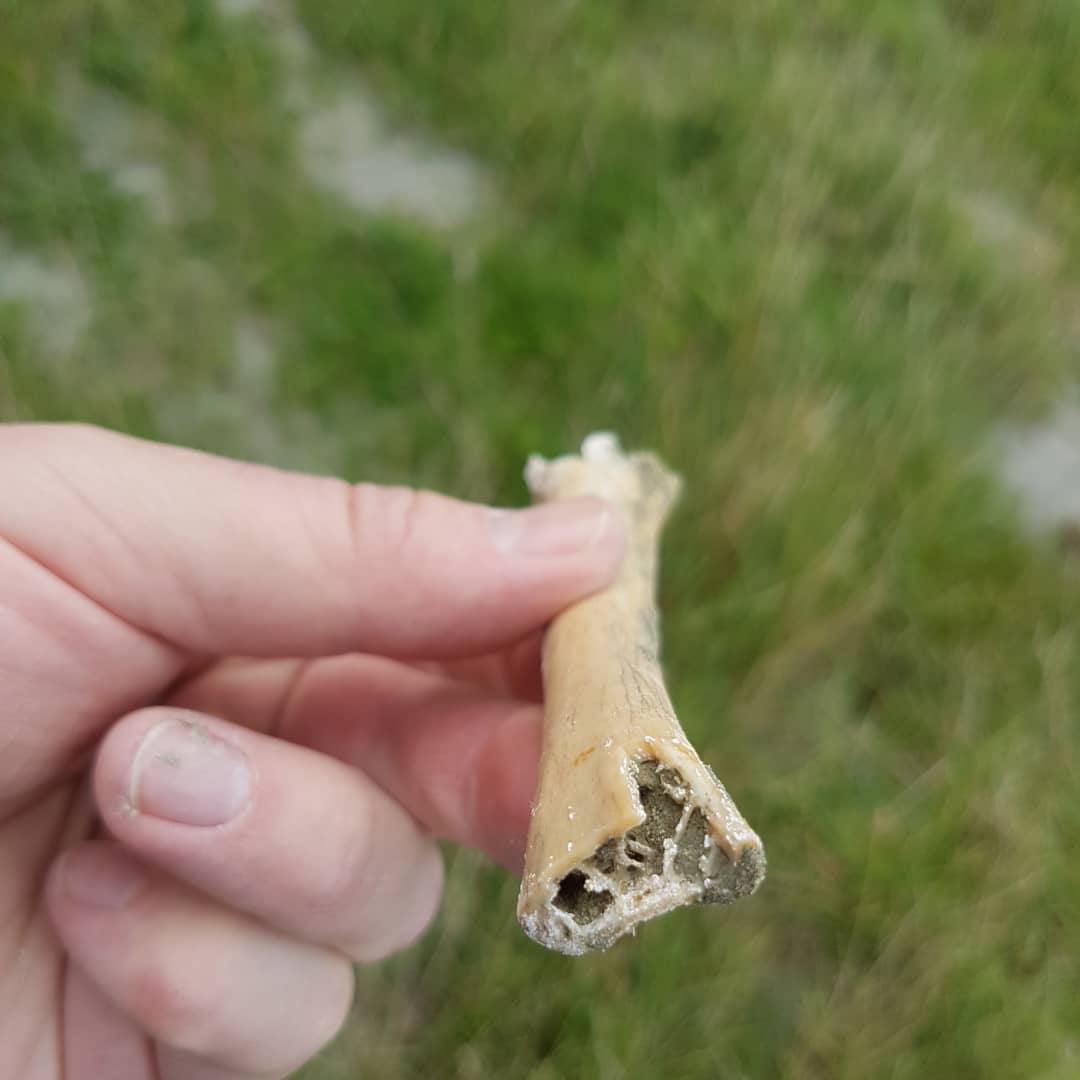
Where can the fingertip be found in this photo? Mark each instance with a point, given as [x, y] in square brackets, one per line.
[572, 526]
[94, 877]
[149, 757]
[416, 909]
[276, 830]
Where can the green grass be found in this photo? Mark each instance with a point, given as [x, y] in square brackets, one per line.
[737, 234]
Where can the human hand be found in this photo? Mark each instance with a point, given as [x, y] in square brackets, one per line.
[236, 705]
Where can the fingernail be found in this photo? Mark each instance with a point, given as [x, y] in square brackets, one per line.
[184, 774]
[556, 528]
[100, 877]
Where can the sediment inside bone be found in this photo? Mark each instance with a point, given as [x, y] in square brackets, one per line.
[670, 845]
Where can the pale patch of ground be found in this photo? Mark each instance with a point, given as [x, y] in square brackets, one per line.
[254, 357]
[1010, 233]
[236, 412]
[1040, 465]
[238, 8]
[279, 20]
[122, 141]
[54, 294]
[350, 150]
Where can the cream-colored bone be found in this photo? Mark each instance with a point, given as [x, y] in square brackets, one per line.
[627, 822]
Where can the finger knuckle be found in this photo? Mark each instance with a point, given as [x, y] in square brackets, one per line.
[179, 1014]
[395, 519]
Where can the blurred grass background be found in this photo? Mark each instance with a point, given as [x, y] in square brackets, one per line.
[814, 255]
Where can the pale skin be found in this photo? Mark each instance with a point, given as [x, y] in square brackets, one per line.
[238, 706]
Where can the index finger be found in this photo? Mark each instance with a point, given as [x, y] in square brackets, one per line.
[216, 556]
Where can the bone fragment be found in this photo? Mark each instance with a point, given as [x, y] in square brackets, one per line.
[627, 822]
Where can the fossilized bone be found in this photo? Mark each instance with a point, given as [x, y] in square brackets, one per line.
[627, 822]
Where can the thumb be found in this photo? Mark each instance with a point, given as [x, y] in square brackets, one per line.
[217, 557]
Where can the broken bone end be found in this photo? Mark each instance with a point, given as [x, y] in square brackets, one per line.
[638, 481]
[670, 859]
